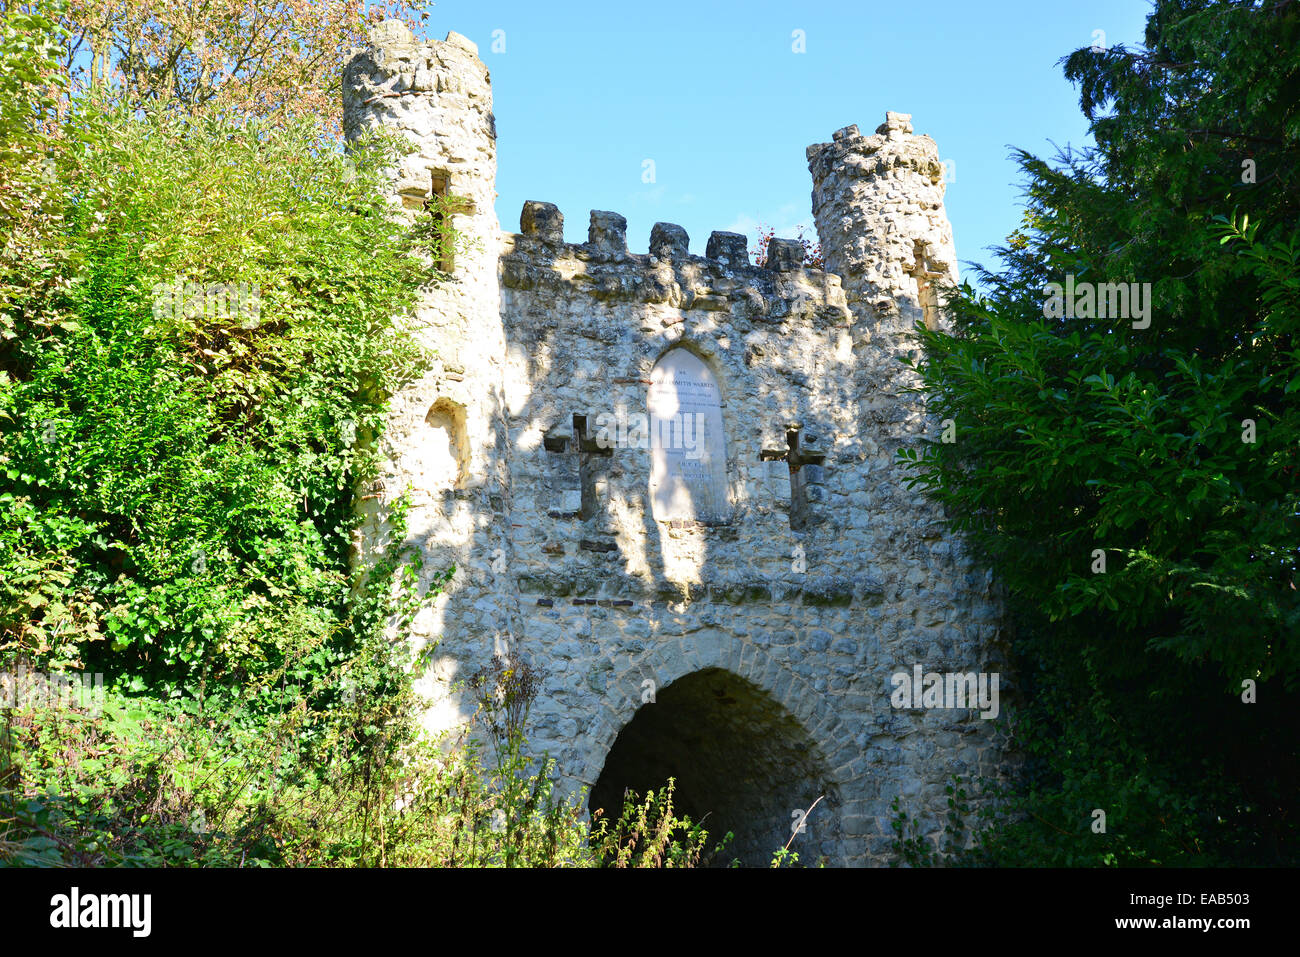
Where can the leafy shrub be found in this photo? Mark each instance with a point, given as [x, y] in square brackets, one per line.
[179, 510]
[648, 833]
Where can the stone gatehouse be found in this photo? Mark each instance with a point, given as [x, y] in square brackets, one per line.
[669, 480]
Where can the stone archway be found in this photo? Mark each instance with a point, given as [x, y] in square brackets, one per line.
[741, 761]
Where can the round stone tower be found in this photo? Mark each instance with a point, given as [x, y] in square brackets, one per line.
[878, 204]
[445, 441]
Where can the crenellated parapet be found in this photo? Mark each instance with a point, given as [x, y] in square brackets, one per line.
[723, 280]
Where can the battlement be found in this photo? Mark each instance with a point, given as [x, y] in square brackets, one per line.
[723, 279]
[383, 80]
[893, 146]
[877, 201]
[607, 239]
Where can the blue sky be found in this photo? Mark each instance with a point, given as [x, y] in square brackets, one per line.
[714, 94]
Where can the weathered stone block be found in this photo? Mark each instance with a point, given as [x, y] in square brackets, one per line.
[896, 123]
[731, 249]
[784, 254]
[811, 474]
[828, 592]
[607, 232]
[542, 220]
[669, 241]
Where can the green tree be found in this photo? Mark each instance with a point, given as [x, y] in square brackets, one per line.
[1132, 478]
[31, 82]
[246, 58]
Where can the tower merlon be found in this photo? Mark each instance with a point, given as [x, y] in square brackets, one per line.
[607, 232]
[543, 221]
[668, 241]
[730, 249]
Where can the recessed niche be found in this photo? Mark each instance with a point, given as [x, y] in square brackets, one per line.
[444, 448]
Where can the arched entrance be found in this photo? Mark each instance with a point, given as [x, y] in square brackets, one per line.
[738, 757]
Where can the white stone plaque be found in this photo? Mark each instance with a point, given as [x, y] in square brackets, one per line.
[688, 451]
